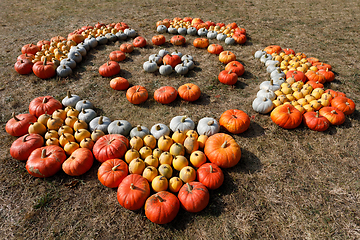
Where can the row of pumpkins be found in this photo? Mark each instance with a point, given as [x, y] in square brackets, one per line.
[173, 166]
[295, 91]
[229, 33]
[60, 55]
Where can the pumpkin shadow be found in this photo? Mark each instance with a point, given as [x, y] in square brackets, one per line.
[255, 130]
[249, 163]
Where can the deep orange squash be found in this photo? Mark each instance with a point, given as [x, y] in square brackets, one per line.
[18, 125]
[110, 146]
[22, 147]
[133, 192]
[210, 175]
[79, 162]
[194, 196]
[235, 121]
[286, 116]
[112, 172]
[162, 207]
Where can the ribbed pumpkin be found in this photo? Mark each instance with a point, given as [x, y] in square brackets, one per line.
[22, 147]
[162, 207]
[189, 92]
[165, 95]
[222, 150]
[137, 94]
[79, 162]
[334, 115]
[235, 67]
[110, 146]
[344, 104]
[315, 121]
[234, 121]
[133, 192]
[112, 172]
[193, 196]
[210, 175]
[286, 116]
[19, 124]
[41, 105]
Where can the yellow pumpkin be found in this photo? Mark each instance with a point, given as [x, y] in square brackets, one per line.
[38, 128]
[131, 154]
[80, 124]
[136, 143]
[51, 134]
[96, 134]
[193, 133]
[165, 170]
[80, 134]
[179, 136]
[150, 141]
[309, 98]
[72, 112]
[65, 138]
[165, 142]
[159, 183]
[64, 129]
[60, 113]
[52, 141]
[136, 166]
[187, 174]
[179, 162]
[157, 152]
[191, 144]
[201, 140]
[87, 143]
[175, 184]
[300, 108]
[317, 92]
[43, 118]
[150, 173]
[145, 151]
[54, 123]
[70, 120]
[165, 158]
[197, 158]
[177, 149]
[151, 161]
[70, 147]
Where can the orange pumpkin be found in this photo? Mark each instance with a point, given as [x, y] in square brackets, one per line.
[344, 104]
[189, 92]
[133, 192]
[334, 115]
[79, 162]
[201, 42]
[119, 83]
[286, 116]
[112, 172]
[235, 121]
[137, 94]
[226, 57]
[273, 49]
[235, 67]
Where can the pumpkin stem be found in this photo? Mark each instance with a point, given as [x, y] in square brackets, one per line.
[189, 187]
[100, 120]
[317, 114]
[271, 82]
[14, 116]
[138, 127]
[183, 118]
[45, 61]
[158, 197]
[333, 112]
[115, 167]
[119, 123]
[224, 144]
[210, 123]
[158, 127]
[211, 169]
[111, 140]
[132, 187]
[83, 111]
[289, 110]
[137, 89]
[43, 153]
[45, 100]
[24, 138]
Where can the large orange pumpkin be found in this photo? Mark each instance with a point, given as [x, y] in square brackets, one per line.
[137, 94]
[41, 105]
[286, 116]
[344, 104]
[18, 125]
[273, 49]
[235, 67]
[110, 146]
[165, 94]
[194, 196]
[210, 175]
[79, 162]
[189, 92]
[112, 172]
[162, 207]
[133, 192]
[22, 147]
[234, 121]
[334, 115]
[222, 150]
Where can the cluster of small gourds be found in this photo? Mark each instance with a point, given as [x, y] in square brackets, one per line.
[296, 87]
[60, 55]
[229, 33]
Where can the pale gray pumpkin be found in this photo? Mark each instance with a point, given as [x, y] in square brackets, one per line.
[159, 130]
[156, 58]
[259, 53]
[190, 64]
[83, 104]
[165, 70]
[262, 105]
[272, 68]
[266, 93]
[172, 30]
[181, 69]
[69, 62]
[102, 39]
[182, 123]
[211, 34]
[229, 41]
[79, 49]
[100, 123]
[112, 37]
[63, 71]
[191, 31]
[278, 81]
[150, 66]
[177, 53]
[265, 58]
[70, 100]
[84, 45]
[122, 127]
[269, 85]
[271, 62]
[182, 31]
[130, 32]
[91, 40]
[139, 131]
[161, 29]
[278, 73]
[202, 32]
[121, 35]
[208, 126]
[188, 57]
[87, 114]
[75, 55]
[163, 52]
[221, 37]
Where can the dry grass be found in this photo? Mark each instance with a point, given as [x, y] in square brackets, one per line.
[289, 184]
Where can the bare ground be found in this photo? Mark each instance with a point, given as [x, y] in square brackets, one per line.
[289, 184]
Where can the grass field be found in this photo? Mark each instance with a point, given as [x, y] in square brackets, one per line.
[290, 184]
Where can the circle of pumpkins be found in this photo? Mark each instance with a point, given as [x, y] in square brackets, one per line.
[178, 163]
[295, 92]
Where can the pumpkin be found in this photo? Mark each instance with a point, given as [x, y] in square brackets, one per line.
[239, 38]
[100, 123]
[187, 174]
[150, 66]
[162, 207]
[83, 104]
[44, 69]
[193, 196]
[109, 69]
[70, 147]
[158, 40]
[164, 143]
[110, 146]
[145, 151]
[136, 166]
[87, 143]
[222, 150]
[119, 83]
[131, 154]
[23, 66]
[70, 100]
[286, 116]
[41, 105]
[228, 77]
[150, 172]
[137, 94]
[79, 162]
[262, 105]
[65, 138]
[126, 47]
[165, 95]
[133, 192]
[315, 121]
[171, 60]
[80, 124]
[122, 127]
[234, 121]
[197, 158]
[201, 42]
[45, 161]
[117, 56]
[151, 161]
[297, 75]
[315, 77]
[182, 123]
[62, 129]
[328, 75]
[235, 67]
[54, 123]
[81, 134]
[210, 175]
[334, 115]
[165, 170]
[175, 184]
[22, 147]
[19, 124]
[273, 49]
[178, 40]
[51, 134]
[139, 42]
[215, 49]
[344, 104]
[159, 183]
[30, 49]
[87, 115]
[96, 134]
[159, 130]
[177, 149]
[189, 92]
[226, 57]
[179, 136]
[139, 131]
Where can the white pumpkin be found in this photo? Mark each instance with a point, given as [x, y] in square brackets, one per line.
[122, 127]
[259, 53]
[182, 123]
[269, 85]
[265, 58]
[70, 100]
[139, 131]
[262, 105]
[100, 123]
[159, 130]
[208, 126]
[266, 93]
